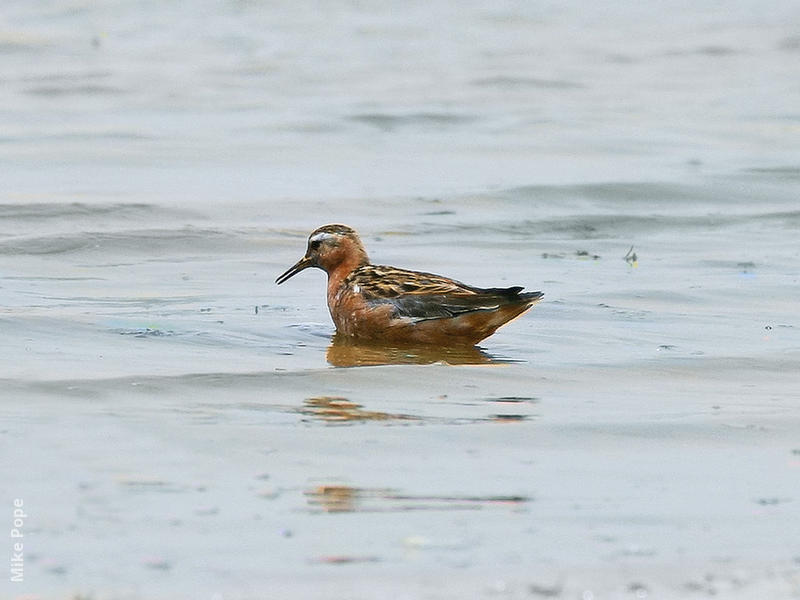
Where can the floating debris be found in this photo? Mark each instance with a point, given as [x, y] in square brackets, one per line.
[54, 567]
[509, 418]
[546, 591]
[143, 332]
[144, 482]
[581, 254]
[334, 498]
[514, 399]
[344, 560]
[746, 266]
[631, 258]
[639, 590]
[344, 498]
[772, 501]
[136, 483]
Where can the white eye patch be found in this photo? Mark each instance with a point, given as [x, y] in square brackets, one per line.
[320, 237]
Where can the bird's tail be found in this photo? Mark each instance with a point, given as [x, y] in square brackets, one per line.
[531, 297]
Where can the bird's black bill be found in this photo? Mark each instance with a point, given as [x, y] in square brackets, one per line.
[301, 264]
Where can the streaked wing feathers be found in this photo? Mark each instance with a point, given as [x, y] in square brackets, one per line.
[422, 296]
[375, 281]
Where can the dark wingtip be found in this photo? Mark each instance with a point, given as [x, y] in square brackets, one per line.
[513, 294]
[516, 293]
[532, 296]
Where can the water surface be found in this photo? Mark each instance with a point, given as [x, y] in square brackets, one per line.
[179, 426]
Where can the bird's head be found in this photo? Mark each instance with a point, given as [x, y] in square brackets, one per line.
[330, 247]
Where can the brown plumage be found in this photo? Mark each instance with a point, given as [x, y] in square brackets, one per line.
[397, 305]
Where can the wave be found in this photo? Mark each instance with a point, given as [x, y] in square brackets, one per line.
[733, 191]
[74, 90]
[512, 82]
[596, 226]
[57, 210]
[128, 242]
[389, 122]
[787, 172]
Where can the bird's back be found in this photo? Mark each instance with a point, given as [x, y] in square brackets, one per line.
[394, 303]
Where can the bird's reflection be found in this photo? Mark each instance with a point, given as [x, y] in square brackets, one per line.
[346, 352]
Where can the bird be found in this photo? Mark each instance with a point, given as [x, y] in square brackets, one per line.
[380, 303]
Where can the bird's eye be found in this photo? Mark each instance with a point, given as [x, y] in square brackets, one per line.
[315, 244]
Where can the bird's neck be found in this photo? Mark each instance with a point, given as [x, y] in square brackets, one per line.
[339, 273]
[348, 256]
